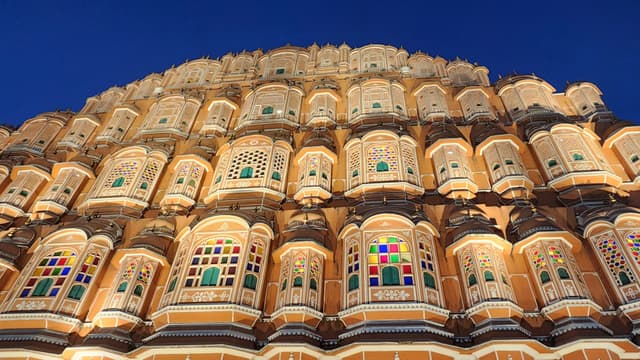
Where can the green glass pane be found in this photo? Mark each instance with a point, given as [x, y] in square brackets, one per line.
[373, 249]
[395, 258]
[207, 250]
[43, 262]
[56, 271]
[393, 239]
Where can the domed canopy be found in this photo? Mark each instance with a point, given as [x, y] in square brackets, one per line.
[464, 220]
[156, 236]
[441, 130]
[308, 224]
[526, 221]
[483, 130]
[320, 138]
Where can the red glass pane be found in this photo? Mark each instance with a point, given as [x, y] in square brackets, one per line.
[373, 270]
[384, 259]
[406, 269]
[46, 272]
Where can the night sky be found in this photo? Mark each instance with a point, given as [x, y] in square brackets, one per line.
[56, 54]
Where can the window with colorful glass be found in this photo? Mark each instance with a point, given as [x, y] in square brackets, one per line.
[49, 276]
[393, 253]
[382, 158]
[616, 263]
[221, 253]
[632, 240]
[314, 272]
[426, 263]
[87, 271]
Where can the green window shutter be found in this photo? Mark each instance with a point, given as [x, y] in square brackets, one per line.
[210, 277]
[624, 278]
[118, 182]
[267, 110]
[192, 183]
[472, 280]
[139, 289]
[276, 176]
[76, 292]
[284, 285]
[355, 173]
[354, 282]
[163, 121]
[544, 277]
[246, 173]
[390, 276]
[123, 286]
[376, 105]
[563, 273]
[382, 166]
[144, 185]
[313, 284]
[172, 285]
[429, 280]
[577, 157]
[488, 276]
[180, 180]
[250, 281]
[297, 282]
[43, 287]
[552, 162]
[410, 170]
[312, 173]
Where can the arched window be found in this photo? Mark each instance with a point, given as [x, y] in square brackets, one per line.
[376, 105]
[563, 273]
[250, 281]
[76, 292]
[313, 284]
[42, 288]
[429, 280]
[385, 251]
[123, 286]
[267, 110]
[297, 281]
[246, 172]
[472, 280]
[275, 176]
[210, 277]
[488, 276]
[382, 166]
[138, 290]
[354, 282]
[624, 278]
[118, 182]
[544, 277]
[390, 276]
[223, 254]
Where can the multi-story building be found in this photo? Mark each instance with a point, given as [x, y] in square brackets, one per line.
[323, 203]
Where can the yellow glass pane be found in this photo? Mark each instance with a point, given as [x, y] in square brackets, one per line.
[71, 261]
[373, 259]
[89, 259]
[404, 247]
[382, 240]
[67, 253]
[356, 247]
[260, 251]
[226, 250]
[92, 270]
[211, 242]
[38, 272]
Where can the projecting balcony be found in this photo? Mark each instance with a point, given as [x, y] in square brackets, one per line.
[511, 184]
[479, 114]
[435, 114]
[378, 116]
[533, 111]
[75, 142]
[322, 119]
[576, 186]
[277, 121]
[456, 183]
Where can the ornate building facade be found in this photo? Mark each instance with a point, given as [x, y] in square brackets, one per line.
[323, 203]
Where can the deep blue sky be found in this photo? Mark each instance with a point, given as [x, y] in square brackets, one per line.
[56, 54]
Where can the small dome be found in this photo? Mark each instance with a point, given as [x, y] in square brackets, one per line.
[441, 130]
[306, 225]
[526, 221]
[320, 138]
[156, 236]
[464, 220]
[483, 130]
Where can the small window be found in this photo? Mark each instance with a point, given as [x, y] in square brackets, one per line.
[552, 162]
[563, 273]
[120, 129]
[382, 166]
[280, 71]
[544, 277]
[123, 286]
[267, 110]
[376, 105]
[24, 193]
[180, 180]
[634, 158]
[429, 280]
[246, 173]
[118, 182]
[144, 185]
[355, 110]
[488, 276]
[410, 170]
[354, 282]
[442, 169]
[292, 113]
[11, 191]
[172, 285]
[284, 285]
[163, 120]
[76, 292]
[312, 173]
[472, 280]
[313, 284]
[624, 278]
[40, 142]
[374, 65]
[454, 165]
[138, 290]
[250, 281]
[218, 179]
[42, 288]
[297, 282]
[55, 188]
[508, 162]
[276, 176]
[496, 166]
[577, 156]
[210, 277]
[324, 176]
[67, 191]
[355, 173]
[390, 276]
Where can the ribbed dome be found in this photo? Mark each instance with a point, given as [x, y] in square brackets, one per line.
[441, 130]
[483, 130]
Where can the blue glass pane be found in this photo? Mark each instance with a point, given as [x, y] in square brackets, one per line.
[54, 291]
[66, 270]
[373, 281]
[350, 269]
[356, 267]
[79, 277]
[408, 280]
[234, 259]
[24, 293]
[250, 267]
[194, 261]
[229, 282]
[256, 268]
[52, 262]
[87, 279]
[189, 282]
[217, 250]
[382, 248]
